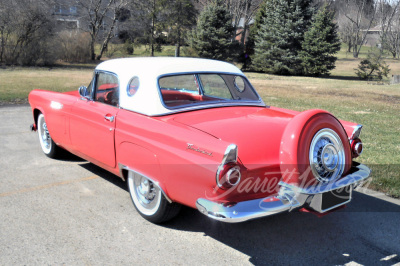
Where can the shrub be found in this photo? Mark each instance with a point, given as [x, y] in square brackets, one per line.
[74, 46]
[128, 47]
[372, 68]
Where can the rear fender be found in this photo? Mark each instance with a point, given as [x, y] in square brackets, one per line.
[132, 157]
[295, 145]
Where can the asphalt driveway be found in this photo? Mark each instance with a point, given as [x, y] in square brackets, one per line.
[72, 212]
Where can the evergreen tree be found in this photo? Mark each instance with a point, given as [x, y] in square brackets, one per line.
[181, 16]
[321, 43]
[279, 39]
[213, 35]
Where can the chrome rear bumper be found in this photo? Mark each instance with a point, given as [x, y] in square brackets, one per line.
[288, 198]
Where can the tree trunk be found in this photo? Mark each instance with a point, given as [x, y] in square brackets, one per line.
[106, 40]
[92, 53]
[243, 37]
[178, 44]
[355, 51]
[2, 45]
[177, 50]
[349, 47]
[153, 27]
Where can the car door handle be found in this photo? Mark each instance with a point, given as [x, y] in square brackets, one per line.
[109, 118]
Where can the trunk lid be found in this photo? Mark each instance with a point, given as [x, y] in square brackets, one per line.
[257, 131]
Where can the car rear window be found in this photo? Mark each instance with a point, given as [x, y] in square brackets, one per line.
[194, 89]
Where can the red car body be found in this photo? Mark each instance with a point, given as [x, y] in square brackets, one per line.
[188, 154]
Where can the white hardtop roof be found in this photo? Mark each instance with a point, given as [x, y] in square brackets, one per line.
[147, 99]
[165, 65]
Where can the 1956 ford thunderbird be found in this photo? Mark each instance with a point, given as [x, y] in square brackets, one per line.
[194, 132]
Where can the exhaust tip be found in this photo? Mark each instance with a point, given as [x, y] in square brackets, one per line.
[32, 127]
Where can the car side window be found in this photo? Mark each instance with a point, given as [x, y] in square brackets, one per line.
[133, 86]
[89, 90]
[182, 83]
[107, 89]
[214, 85]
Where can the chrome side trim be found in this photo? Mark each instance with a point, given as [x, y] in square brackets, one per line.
[124, 167]
[230, 156]
[289, 197]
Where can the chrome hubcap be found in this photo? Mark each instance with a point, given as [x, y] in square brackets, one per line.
[326, 155]
[146, 190]
[145, 194]
[330, 157]
[45, 136]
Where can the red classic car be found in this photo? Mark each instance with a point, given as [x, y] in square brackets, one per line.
[194, 132]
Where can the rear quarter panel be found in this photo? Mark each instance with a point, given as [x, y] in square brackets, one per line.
[157, 148]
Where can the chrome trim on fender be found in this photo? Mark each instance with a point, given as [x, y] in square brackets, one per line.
[356, 133]
[230, 156]
[124, 167]
[289, 197]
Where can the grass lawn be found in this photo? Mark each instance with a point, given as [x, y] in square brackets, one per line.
[376, 106]
[16, 83]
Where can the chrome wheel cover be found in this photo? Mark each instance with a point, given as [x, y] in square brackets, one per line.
[44, 135]
[327, 157]
[145, 194]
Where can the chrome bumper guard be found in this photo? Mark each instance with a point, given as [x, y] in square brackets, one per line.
[289, 197]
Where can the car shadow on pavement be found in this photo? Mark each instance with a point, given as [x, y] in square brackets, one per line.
[366, 232]
[116, 180]
[66, 156]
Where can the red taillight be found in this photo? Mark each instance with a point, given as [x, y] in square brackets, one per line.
[229, 176]
[356, 148]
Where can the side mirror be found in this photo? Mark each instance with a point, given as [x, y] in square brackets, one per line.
[83, 91]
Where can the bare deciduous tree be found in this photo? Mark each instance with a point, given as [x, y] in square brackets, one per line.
[26, 32]
[181, 17]
[355, 20]
[242, 11]
[101, 16]
[389, 25]
[152, 10]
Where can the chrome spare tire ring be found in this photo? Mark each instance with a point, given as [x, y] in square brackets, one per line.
[326, 156]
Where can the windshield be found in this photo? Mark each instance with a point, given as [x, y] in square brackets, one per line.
[190, 89]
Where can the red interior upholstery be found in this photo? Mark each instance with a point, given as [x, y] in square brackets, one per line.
[176, 98]
[170, 95]
[108, 93]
